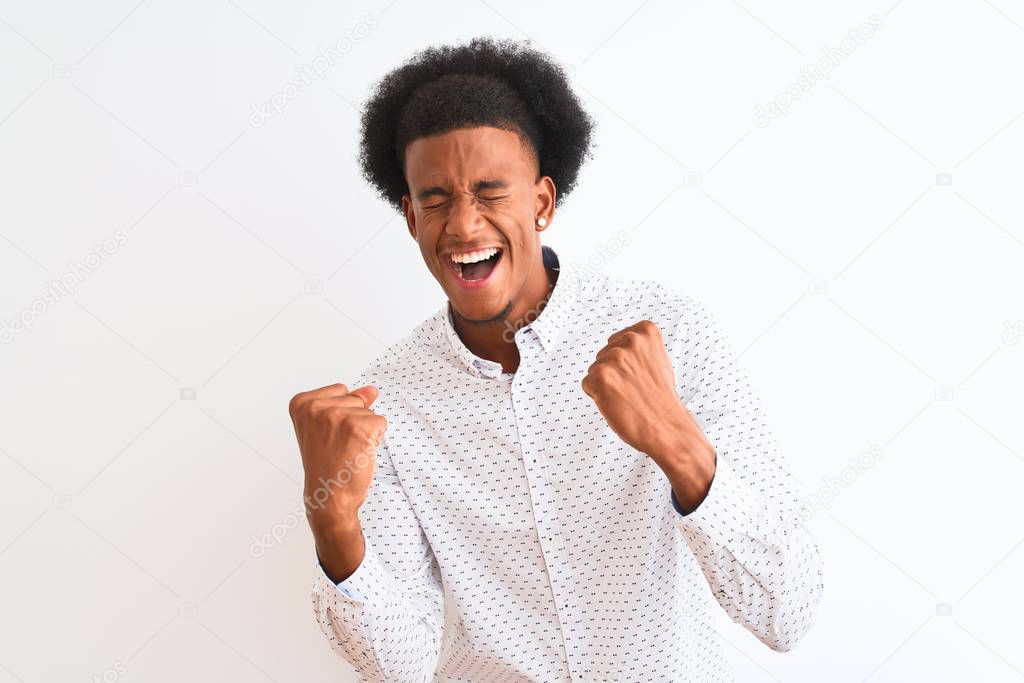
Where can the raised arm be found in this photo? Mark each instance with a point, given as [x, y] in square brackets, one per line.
[377, 590]
[687, 405]
[747, 534]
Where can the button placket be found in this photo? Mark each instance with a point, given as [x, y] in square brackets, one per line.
[553, 548]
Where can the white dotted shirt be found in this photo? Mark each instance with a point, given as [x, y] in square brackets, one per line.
[511, 535]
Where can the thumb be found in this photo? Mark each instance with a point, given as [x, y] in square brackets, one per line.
[368, 393]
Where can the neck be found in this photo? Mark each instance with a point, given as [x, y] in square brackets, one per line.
[495, 340]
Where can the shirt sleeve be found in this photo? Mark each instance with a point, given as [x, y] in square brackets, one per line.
[349, 590]
[748, 536]
[386, 618]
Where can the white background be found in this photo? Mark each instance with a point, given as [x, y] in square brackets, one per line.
[875, 305]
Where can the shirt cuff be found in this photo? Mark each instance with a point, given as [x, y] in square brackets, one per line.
[728, 509]
[366, 583]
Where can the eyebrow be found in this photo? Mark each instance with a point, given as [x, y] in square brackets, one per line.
[438, 190]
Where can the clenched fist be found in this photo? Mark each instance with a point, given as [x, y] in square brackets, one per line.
[633, 384]
[338, 434]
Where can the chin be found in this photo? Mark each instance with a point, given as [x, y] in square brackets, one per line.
[479, 311]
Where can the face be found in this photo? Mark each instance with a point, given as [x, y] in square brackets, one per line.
[474, 196]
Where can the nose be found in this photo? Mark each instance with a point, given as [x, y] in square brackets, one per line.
[464, 219]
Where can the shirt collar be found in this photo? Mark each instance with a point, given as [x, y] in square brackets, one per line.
[549, 327]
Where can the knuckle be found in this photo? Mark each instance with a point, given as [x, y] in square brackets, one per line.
[316, 407]
[296, 403]
[348, 428]
[360, 427]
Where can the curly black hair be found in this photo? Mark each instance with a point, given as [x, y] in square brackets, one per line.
[486, 82]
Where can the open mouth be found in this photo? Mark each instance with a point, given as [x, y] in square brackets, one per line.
[476, 266]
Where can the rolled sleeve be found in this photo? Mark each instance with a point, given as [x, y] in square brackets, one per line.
[728, 509]
[369, 582]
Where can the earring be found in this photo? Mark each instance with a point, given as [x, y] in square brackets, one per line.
[542, 222]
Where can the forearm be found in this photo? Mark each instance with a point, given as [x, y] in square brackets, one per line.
[377, 590]
[340, 545]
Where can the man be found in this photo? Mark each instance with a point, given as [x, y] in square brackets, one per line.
[556, 476]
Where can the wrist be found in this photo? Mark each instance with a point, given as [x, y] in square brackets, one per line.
[340, 548]
[691, 486]
[687, 458]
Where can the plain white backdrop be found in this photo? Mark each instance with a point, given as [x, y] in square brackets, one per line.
[185, 242]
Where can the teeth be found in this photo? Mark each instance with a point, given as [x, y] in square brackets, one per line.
[474, 256]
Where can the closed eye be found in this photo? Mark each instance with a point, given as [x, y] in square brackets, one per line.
[486, 199]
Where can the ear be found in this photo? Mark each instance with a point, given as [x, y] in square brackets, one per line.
[544, 202]
[410, 215]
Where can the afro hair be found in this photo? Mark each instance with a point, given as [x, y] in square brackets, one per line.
[486, 82]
